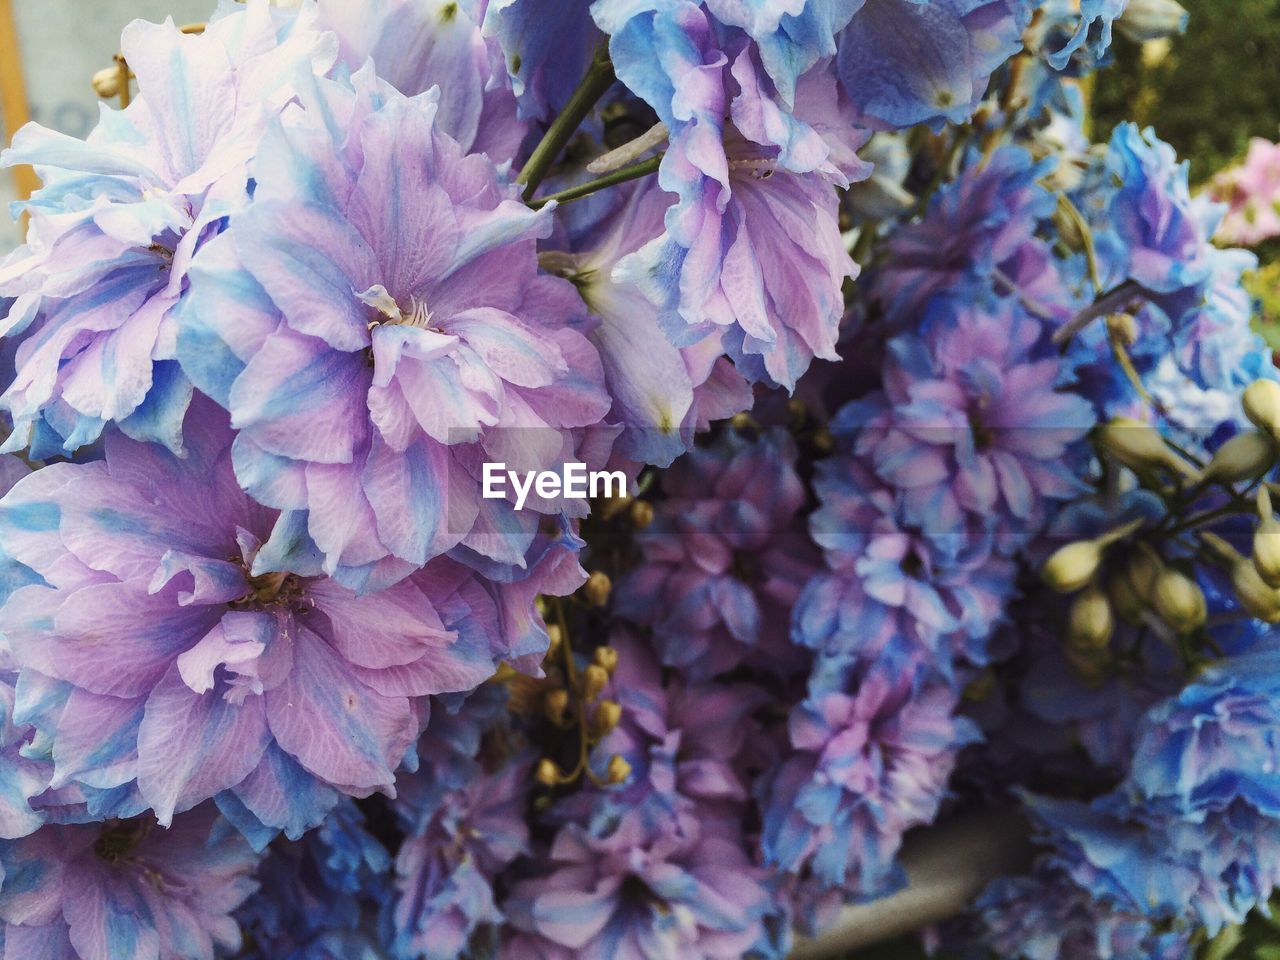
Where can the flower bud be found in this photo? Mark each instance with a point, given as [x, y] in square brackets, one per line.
[556, 637]
[606, 657]
[1072, 566]
[1179, 600]
[555, 704]
[1142, 571]
[106, 82]
[607, 715]
[1123, 328]
[1266, 542]
[1145, 20]
[1138, 446]
[641, 514]
[1255, 596]
[1129, 605]
[1245, 456]
[596, 589]
[1261, 402]
[1090, 622]
[547, 773]
[594, 679]
[619, 770]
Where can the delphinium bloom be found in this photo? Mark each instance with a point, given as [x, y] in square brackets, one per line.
[662, 394]
[896, 585]
[376, 324]
[316, 892]
[418, 45]
[189, 655]
[1252, 192]
[684, 888]
[972, 237]
[547, 45]
[871, 756]
[752, 247]
[114, 228]
[1162, 237]
[464, 816]
[1044, 916]
[724, 559]
[125, 890]
[908, 62]
[1086, 26]
[660, 865]
[972, 425]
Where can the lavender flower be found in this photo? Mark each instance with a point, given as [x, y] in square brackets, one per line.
[201, 653]
[724, 559]
[376, 325]
[871, 761]
[114, 228]
[125, 890]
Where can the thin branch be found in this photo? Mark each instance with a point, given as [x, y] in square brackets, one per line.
[599, 78]
[633, 172]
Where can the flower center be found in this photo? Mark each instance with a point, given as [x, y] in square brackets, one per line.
[119, 838]
[266, 589]
[389, 311]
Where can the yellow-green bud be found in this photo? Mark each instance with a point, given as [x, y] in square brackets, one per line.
[1138, 445]
[1266, 542]
[1245, 456]
[1255, 596]
[1261, 402]
[607, 715]
[547, 773]
[1090, 622]
[1073, 566]
[106, 82]
[555, 704]
[619, 770]
[1179, 600]
[597, 588]
[1123, 328]
[1127, 603]
[594, 679]
[1143, 569]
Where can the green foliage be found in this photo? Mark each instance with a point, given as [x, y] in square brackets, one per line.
[1216, 88]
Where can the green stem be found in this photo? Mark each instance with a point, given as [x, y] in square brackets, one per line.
[633, 172]
[598, 79]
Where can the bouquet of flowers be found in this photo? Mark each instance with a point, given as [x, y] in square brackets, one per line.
[934, 448]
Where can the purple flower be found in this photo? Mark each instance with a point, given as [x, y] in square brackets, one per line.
[125, 890]
[1092, 33]
[114, 228]
[752, 247]
[687, 890]
[906, 62]
[415, 46]
[871, 761]
[1154, 217]
[971, 423]
[201, 653]
[724, 559]
[377, 326]
[1045, 916]
[316, 890]
[547, 45]
[975, 228]
[446, 867]
[662, 394]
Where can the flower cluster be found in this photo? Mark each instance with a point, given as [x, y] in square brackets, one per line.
[947, 447]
